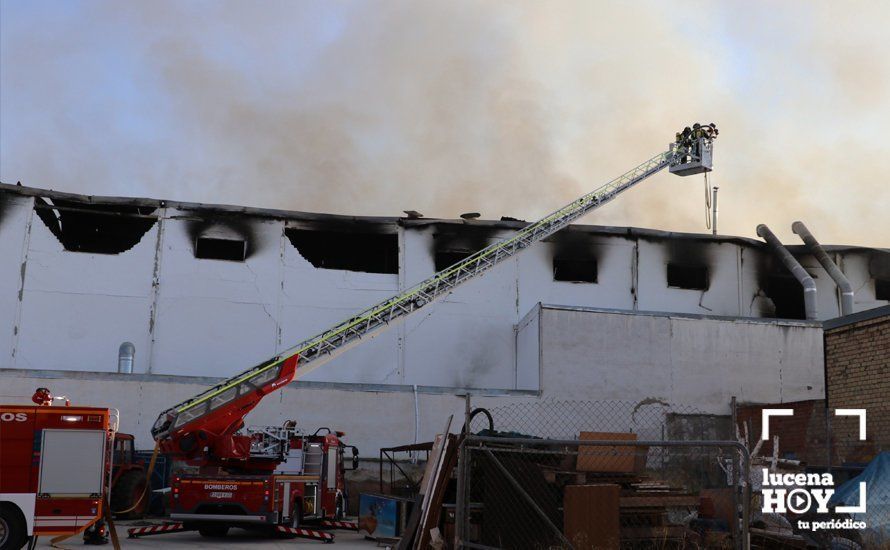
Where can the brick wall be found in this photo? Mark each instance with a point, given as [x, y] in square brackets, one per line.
[857, 371]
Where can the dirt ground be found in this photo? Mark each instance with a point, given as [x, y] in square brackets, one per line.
[237, 539]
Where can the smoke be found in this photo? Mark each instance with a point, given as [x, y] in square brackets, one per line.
[506, 108]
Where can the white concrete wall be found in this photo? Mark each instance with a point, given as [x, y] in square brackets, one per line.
[371, 419]
[313, 300]
[197, 317]
[15, 220]
[694, 361]
[528, 351]
[577, 354]
[860, 268]
[213, 314]
[77, 308]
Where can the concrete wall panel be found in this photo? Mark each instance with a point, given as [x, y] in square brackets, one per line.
[15, 216]
[528, 351]
[78, 307]
[215, 316]
[699, 362]
[861, 269]
[614, 286]
[315, 299]
[467, 339]
[596, 357]
[721, 296]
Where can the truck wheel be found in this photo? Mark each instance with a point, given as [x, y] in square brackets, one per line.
[124, 494]
[213, 531]
[13, 530]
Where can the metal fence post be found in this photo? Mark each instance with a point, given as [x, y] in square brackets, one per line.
[736, 466]
[746, 498]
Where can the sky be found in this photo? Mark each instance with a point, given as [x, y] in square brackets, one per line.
[503, 108]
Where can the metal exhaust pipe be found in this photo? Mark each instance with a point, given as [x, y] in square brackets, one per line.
[714, 212]
[809, 285]
[833, 270]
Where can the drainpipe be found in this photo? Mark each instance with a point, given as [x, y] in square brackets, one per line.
[714, 212]
[833, 270]
[809, 285]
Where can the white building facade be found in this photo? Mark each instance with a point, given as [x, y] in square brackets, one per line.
[204, 292]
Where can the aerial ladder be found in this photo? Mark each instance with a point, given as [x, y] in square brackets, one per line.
[205, 429]
[252, 471]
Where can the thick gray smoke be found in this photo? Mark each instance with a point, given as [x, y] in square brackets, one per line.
[500, 107]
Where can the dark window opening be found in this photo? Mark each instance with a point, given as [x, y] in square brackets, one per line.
[350, 251]
[447, 258]
[882, 289]
[574, 270]
[787, 295]
[457, 243]
[95, 228]
[3, 206]
[210, 248]
[693, 277]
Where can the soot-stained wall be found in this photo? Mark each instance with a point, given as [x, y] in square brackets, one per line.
[69, 308]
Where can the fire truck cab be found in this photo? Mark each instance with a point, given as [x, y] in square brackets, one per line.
[307, 485]
[56, 464]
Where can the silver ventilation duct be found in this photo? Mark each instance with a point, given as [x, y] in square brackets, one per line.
[809, 285]
[833, 270]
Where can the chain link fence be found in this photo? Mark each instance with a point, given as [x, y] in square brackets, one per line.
[600, 474]
[617, 474]
[585, 494]
[566, 419]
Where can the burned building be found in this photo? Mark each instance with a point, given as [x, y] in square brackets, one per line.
[204, 291]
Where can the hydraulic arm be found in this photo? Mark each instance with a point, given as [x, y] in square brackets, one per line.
[211, 419]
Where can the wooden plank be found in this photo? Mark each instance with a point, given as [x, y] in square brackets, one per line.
[661, 532]
[432, 464]
[591, 518]
[431, 475]
[433, 510]
[606, 458]
[659, 500]
[717, 504]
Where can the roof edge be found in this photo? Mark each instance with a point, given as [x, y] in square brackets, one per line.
[505, 224]
[859, 316]
[692, 316]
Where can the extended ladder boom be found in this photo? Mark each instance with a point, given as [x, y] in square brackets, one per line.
[311, 353]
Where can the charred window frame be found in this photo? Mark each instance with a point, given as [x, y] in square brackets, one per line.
[574, 269]
[366, 248]
[447, 258]
[213, 248]
[221, 236]
[786, 293]
[95, 228]
[882, 289]
[686, 276]
[455, 243]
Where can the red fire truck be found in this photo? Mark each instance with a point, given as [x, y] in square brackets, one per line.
[56, 465]
[306, 487]
[274, 479]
